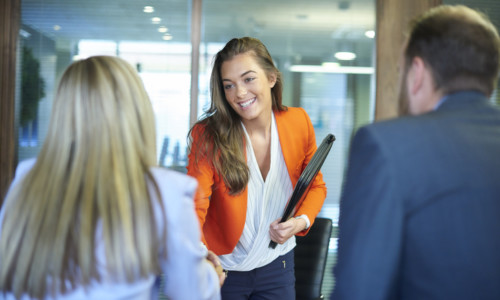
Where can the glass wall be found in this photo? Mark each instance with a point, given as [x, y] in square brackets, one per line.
[151, 35]
[304, 39]
[324, 49]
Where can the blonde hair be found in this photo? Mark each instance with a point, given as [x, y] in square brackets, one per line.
[92, 172]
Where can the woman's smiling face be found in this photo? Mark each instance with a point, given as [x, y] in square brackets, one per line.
[247, 87]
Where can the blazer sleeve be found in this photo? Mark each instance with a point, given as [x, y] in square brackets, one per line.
[370, 224]
[203, 172]
[188, 275]
[312, 203]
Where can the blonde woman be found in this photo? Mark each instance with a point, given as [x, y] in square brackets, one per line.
[93, 217]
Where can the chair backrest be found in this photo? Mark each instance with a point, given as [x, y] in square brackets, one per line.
[310, 260]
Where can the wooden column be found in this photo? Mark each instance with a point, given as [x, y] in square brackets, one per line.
[9, 31]
[195, 58]
[392, 21]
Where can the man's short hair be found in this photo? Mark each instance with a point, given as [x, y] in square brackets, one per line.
[460, 45]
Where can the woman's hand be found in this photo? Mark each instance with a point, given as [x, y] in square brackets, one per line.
[212, 258]
[281, 232]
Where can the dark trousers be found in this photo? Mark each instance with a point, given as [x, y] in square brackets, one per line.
[274, 281]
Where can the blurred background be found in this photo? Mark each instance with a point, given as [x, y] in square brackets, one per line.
[325, 50]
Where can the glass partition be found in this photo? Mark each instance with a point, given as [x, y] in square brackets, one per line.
[153, 37]
[325, 51]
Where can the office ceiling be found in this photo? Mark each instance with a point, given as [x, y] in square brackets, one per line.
[307, 31]
[300, 31]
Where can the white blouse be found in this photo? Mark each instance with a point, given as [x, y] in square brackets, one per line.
[266, 203]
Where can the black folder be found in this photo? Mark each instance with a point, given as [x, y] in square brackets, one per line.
[306, 179]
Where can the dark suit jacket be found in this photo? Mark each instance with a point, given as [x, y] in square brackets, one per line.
[420, 210]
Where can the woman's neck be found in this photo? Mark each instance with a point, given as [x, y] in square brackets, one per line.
[261, 126]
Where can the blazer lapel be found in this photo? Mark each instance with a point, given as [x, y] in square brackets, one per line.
[288, 133]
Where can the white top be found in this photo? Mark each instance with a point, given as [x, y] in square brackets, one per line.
[187, 274]
[266, 203]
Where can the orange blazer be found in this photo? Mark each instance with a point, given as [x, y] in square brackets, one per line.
[221, 216]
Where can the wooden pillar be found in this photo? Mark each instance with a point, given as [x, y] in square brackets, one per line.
[195, 58]
[392, 20]
[9, 31]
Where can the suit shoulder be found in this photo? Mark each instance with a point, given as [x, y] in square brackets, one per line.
[403, 124]
[399, 134]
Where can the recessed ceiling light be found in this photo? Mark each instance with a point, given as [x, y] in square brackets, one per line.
[162, 29]
[167, 37]
[57, 27]
[345, 55]
[148, 9]
[370, 34]
[156, 20]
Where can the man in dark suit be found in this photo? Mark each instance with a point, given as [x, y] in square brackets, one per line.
[420, 209]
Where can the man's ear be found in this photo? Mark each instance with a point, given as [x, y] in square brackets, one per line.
[416, 75]
[422, 94]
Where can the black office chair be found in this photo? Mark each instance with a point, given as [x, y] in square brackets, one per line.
[310, 260]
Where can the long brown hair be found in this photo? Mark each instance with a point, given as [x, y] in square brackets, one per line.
[221, 138]
[92, 172]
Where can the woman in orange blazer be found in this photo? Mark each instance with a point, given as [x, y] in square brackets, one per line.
[247, 154]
